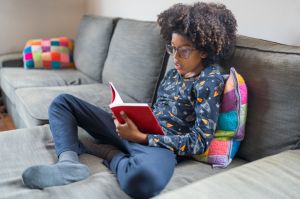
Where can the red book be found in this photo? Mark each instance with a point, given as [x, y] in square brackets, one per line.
[140, 113]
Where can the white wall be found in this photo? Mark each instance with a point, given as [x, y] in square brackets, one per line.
[21, 20]
[275, 20]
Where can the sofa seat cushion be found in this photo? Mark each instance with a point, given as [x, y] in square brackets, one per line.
[14, 78]
[32, 103]
[276, 176]
[190, 171]
[23, 148]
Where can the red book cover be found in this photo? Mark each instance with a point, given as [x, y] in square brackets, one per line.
[140, 113]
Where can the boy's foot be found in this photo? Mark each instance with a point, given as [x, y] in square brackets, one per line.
[67, 170]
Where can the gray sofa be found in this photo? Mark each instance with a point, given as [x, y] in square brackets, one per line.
[131, 54]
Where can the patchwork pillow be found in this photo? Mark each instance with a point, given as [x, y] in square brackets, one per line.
[48, 53]
[231, 123]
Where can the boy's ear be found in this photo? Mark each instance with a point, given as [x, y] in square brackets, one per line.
[203, 55]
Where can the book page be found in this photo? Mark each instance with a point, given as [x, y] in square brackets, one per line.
[115, 97]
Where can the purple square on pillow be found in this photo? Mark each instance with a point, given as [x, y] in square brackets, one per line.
[46, 49]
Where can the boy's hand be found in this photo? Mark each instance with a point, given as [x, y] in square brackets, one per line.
[129, 130]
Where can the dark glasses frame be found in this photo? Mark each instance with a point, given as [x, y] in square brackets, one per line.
[183, 52]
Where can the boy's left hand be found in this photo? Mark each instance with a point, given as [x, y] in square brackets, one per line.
[129, 130]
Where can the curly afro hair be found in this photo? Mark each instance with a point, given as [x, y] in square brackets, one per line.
[210, 27]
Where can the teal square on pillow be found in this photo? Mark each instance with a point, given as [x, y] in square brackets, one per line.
[228, 121]
[55, 64]
[29, 64]
[54, 43]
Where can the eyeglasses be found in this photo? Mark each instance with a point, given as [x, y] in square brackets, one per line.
[183, 52]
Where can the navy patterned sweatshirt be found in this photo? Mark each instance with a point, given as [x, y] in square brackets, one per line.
[188, 110]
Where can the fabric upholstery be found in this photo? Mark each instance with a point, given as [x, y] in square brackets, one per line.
[272, 73]
[11, 60]
[34, 146]
[14, 78]
[91, 45]
[11, 110]
[231, 123]
[32, 103]
[271, 177]
[134, 60]
[48, 53]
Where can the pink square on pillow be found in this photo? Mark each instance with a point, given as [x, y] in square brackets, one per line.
[244, 94]
[63, 43]
[218, 147]
[64, 58]
[46, 42]
[28, 56]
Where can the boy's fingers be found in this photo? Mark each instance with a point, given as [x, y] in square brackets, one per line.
[123, 114]
[116, 122]
[125, 117]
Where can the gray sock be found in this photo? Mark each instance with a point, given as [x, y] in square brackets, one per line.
[68, 169]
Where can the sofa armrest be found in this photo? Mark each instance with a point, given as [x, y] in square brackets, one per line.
[11, 60]
[275, 176]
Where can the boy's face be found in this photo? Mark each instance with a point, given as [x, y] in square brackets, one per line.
[187, 59]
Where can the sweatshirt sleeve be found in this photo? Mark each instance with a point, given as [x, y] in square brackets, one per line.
[206, 106]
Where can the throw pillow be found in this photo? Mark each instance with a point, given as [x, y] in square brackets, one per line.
[231, 123]
[48, 53]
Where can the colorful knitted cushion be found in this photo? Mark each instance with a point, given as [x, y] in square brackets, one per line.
[231, 123]
[48, 53]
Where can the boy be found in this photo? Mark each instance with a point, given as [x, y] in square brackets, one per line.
[187, 108]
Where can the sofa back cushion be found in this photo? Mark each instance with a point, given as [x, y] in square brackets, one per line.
[135, 58]
[91, 45]
[272, 72]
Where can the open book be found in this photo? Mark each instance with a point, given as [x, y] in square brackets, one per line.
[140, 113]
